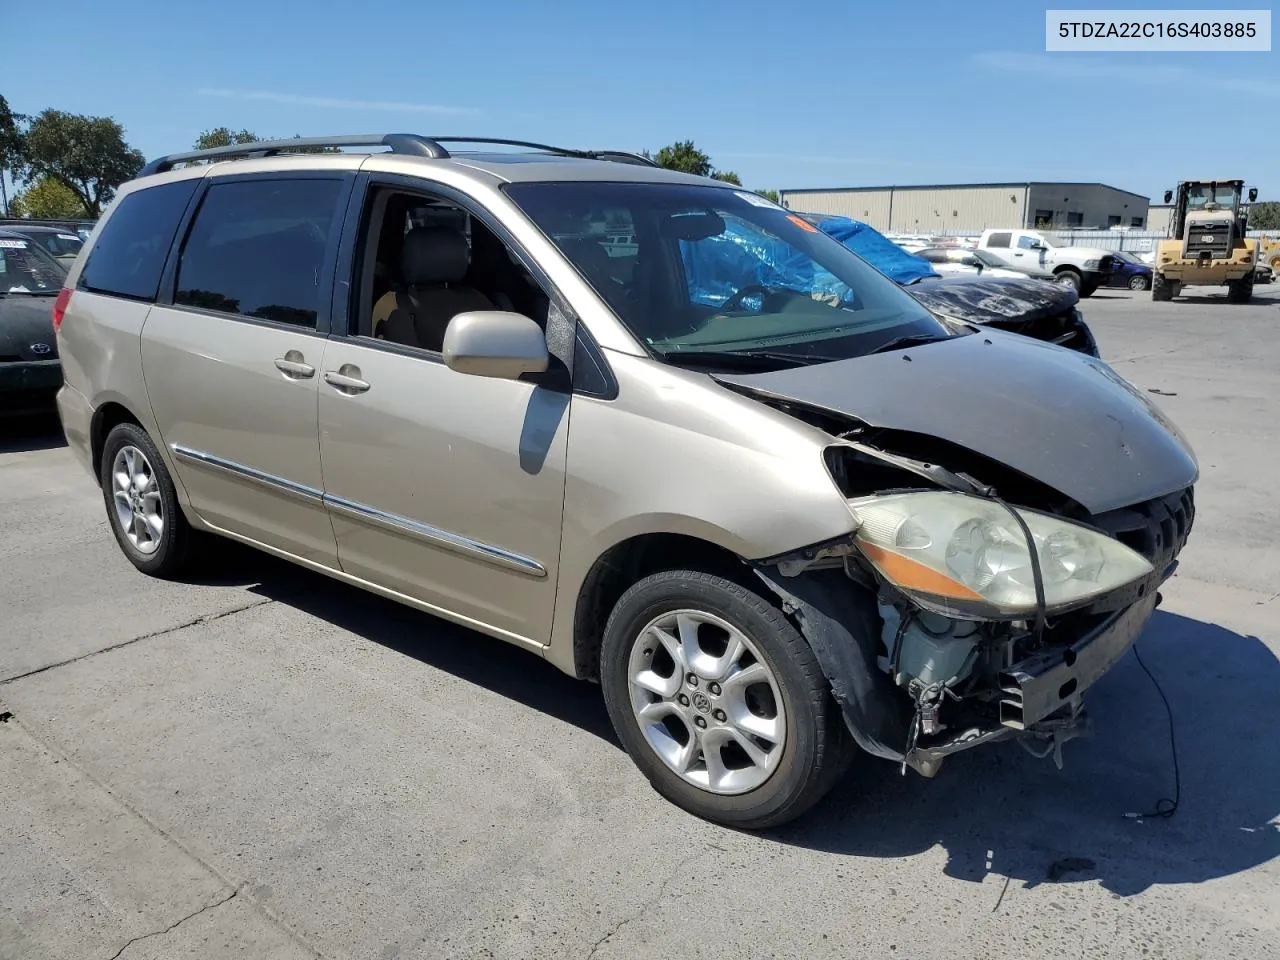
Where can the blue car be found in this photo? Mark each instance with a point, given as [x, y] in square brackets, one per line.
[1130, 272]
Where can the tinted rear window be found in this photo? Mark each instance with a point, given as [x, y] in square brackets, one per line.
[256, 248]
[128, 258]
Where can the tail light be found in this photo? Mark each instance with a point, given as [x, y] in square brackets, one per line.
[60, 307]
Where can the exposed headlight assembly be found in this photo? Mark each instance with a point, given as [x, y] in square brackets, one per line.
[1092, 264]
[967, 557]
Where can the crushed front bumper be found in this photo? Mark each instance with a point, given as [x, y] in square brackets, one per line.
[1046, 683]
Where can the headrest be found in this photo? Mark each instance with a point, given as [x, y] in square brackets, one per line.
[433, 255]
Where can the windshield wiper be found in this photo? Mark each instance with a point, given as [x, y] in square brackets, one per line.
[743, 360]
[915, 340]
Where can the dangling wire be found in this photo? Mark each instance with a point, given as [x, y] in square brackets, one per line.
[1166, 806]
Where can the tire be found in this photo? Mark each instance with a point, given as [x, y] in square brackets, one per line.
[1162, 288]
[1070, 277]
[1240, 291]
[1138, 282]
[1088, 289]
[814, 749]
[160, 549]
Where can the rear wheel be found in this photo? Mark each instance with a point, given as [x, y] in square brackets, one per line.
[719, 700]
[1162, 288]
[142, 505]
[1138, 282]
[1240, 291]
[1070, 278]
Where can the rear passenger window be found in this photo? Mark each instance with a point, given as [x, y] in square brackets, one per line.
[999, 240]
[128, 257]
[256, 248]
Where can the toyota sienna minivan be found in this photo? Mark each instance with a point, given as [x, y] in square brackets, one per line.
[794, 522]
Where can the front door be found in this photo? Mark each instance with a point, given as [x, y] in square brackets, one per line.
[232, 361]
[443, 487]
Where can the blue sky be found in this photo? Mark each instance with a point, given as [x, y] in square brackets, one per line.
[789, 94]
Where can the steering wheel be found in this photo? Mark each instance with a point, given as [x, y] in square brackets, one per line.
[735, 301]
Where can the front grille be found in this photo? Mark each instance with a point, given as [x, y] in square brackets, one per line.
[1213, 238]
[1157, 529]
[1107, 264]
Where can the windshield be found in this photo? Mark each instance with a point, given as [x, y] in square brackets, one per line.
[713, 271]
[26, 269]
[61, 244]
[1204, 193]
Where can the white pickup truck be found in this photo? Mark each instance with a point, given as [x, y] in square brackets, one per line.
[1085, 268]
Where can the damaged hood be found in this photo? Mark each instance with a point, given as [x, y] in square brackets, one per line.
[1060, 417]
[993, 300]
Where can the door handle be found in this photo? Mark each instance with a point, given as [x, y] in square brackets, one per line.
[346, 379]
[293, 366]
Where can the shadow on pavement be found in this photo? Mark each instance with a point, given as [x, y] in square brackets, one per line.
[1001, 811]
[995, 810]
[477, 658]
[36, 431]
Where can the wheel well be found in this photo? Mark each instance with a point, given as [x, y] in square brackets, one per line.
[105, 419]
[629, 561]
[1066, 268]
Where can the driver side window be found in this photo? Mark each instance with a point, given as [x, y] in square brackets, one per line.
[424, 260]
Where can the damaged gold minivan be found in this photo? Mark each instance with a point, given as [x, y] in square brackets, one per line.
[655, 428]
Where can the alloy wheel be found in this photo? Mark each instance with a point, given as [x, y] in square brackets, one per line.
[707, 702]
[139, 509]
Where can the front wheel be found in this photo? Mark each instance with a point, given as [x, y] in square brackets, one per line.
[1162, 288]
[1070, 278]
[1138, 282]
[720, 701]
[1240, 291]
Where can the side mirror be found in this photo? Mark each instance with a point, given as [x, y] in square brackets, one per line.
[1168, 196]
[1253, 194]
[494, 343]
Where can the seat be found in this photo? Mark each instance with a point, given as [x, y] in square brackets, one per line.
[432, 264]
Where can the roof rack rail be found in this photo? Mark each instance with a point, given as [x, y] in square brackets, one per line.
[404, 143]
[618, 155]
[408, 144]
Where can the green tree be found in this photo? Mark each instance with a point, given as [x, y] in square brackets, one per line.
[10, 136]
[87, 154]
[770, 195]
[48, 199]
[728, 176]
[1264, 216]
[685, 157]
[222, 137]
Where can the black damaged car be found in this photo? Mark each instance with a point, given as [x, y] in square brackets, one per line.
[30, 371]
[1034, 308]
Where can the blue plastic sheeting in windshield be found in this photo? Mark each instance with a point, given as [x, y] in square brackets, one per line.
[719, 267]
[879, 251]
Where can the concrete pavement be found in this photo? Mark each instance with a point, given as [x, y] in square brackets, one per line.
[269, 764]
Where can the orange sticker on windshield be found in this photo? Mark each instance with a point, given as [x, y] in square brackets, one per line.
[802, 224]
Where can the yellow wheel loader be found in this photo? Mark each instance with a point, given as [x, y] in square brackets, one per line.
[1207, 246]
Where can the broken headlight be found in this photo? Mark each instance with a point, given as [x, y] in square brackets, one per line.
[966, 557]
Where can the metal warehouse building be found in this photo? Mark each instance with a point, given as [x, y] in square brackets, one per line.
[976, 206]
